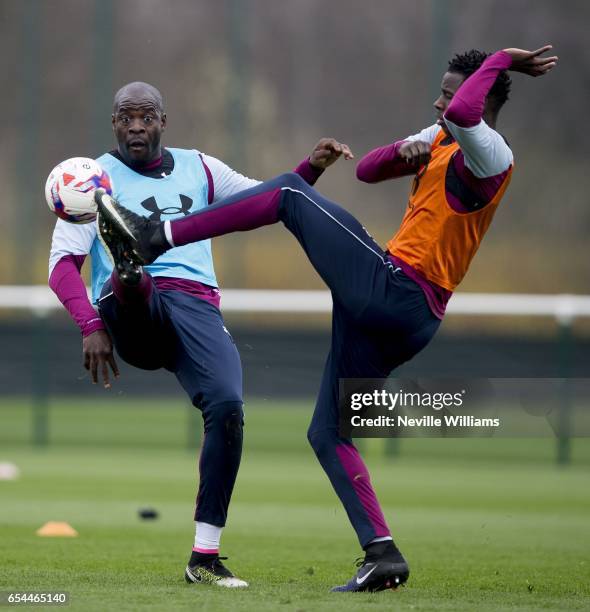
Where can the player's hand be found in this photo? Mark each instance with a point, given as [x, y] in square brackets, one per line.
[98, 357]
[327, 151]
[531, 62]
[415, 153]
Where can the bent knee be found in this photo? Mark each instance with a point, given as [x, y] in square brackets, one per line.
[228, 419]
[234, 428]
[323, 441]
[293, 180]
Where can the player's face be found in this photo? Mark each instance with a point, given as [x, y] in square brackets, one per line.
[451, 81]
[138, 127]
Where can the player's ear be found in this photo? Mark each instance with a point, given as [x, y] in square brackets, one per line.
[164, 121]
[113, 121]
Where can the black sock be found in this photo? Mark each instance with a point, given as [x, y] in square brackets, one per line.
[198, 558]
[385, 548]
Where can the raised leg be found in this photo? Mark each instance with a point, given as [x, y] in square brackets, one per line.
[337, 245]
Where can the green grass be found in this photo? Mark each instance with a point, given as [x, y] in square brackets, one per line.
[485, 524]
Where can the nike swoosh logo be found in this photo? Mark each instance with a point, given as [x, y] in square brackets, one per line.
[361, 580]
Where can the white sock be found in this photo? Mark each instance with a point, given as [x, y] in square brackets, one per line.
[382, 539]
[207, 538]
[168, 233]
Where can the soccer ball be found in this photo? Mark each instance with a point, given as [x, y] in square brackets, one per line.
[70, 186]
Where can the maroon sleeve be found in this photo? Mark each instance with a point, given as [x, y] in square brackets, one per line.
[310, 174]
[67, 284]
[210, 185]
[383, 163]
[466, 107]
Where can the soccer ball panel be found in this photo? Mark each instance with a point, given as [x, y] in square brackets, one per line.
[69, 190]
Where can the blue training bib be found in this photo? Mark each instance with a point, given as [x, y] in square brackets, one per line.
[182, 192]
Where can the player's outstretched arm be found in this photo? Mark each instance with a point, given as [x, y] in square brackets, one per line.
[485, 151]
[225, 182]
[69, 247]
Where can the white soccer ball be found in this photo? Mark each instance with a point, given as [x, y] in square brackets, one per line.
[70, 186]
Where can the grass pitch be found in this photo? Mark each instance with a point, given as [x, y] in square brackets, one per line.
[485, 524]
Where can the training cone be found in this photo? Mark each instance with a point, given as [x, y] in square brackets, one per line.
[55, 529]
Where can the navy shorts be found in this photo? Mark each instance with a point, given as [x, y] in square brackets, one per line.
[179, 332]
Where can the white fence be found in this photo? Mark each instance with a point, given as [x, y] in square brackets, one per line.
[565, 308]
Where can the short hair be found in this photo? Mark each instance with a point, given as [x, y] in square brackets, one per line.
[467, 63]
[153, 91]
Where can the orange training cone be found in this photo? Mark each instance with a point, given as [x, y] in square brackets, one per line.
[55, 529]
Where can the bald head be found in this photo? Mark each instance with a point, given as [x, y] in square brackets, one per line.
[138, 93]
[138, 122]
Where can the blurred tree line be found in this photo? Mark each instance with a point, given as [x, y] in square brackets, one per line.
[256, 83]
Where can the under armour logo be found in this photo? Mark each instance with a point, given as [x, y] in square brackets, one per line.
[151, 205]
